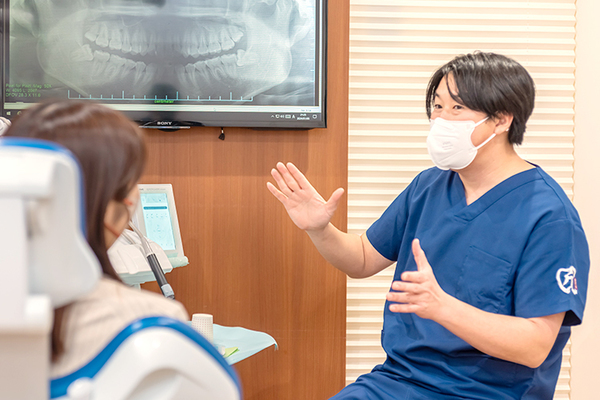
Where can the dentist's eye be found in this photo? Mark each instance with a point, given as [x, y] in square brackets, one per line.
[437, 107]
[458, 107]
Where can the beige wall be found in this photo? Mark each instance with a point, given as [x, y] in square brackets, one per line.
[586, 338]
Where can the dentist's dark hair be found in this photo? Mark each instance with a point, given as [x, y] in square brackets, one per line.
[111, 151]
[490, 83]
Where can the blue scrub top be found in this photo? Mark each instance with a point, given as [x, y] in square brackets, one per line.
[518, 250]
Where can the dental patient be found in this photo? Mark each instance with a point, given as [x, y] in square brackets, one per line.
[112, 154]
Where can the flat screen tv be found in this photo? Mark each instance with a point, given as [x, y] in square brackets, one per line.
[171, 63]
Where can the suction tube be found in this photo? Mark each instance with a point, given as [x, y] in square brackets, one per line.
[165, 288]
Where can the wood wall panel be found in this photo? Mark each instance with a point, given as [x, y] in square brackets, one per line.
[249, 265]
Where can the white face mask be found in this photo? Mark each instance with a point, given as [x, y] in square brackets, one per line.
[449, 143]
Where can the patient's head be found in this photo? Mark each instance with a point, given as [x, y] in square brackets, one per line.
[112, 154]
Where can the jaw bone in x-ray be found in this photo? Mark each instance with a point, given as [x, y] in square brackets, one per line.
[237, 48]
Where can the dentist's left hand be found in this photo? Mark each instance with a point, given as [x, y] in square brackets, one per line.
[525, 341]
[418, 292]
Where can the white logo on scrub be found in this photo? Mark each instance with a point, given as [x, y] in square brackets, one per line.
[566, 280]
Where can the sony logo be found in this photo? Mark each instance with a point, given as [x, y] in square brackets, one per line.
[164, 122]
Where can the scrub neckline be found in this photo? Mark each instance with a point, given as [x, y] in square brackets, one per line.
[470, 211]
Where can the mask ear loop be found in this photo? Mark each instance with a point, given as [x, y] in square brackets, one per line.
[481, 122]
[488, 139]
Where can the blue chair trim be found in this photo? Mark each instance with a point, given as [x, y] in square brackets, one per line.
[51, 146]
[34, 143]
[59, 386]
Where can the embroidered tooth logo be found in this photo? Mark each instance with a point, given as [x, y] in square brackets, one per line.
[566, 279]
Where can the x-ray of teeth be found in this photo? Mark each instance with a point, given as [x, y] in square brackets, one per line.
[205, 49]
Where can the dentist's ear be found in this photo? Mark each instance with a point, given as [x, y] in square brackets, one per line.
[503, 122]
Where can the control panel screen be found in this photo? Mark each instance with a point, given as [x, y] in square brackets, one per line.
[157, 218]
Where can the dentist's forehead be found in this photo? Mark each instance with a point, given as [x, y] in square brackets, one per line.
[442, 89]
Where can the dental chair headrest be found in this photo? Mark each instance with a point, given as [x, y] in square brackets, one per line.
[47, 180]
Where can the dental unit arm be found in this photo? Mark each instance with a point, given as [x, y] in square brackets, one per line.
[129, 258]
[156, 218]
[154, 264]
[44, 257]
[153, 247]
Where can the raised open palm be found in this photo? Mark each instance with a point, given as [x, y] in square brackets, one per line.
[305, 206]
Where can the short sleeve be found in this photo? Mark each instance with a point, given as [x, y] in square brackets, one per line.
[386, 233]
[552, 276]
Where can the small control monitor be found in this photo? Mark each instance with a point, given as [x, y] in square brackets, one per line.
[156, 218]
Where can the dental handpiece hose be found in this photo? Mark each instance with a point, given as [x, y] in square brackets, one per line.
[165, 287]
[160, 276]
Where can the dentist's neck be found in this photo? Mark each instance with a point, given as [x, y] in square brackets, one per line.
[494, 163]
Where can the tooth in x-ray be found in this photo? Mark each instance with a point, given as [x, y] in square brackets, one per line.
[202, 47]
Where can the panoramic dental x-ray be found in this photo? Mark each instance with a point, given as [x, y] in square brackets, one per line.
[188, 49]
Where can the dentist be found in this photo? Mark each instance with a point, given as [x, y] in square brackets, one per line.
[492, 261]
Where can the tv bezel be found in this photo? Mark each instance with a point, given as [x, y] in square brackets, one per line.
[165, 120]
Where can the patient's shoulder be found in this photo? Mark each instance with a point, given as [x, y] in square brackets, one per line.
[138, 303]
[93, 320]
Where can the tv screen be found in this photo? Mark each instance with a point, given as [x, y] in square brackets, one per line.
[171, 63]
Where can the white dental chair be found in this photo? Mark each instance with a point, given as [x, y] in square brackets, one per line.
[46, 262]
[153, 358]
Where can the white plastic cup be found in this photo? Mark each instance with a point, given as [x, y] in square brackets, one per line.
[203, 323]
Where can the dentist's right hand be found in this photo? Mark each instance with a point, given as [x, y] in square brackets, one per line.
[351, 254]
[305, 206]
